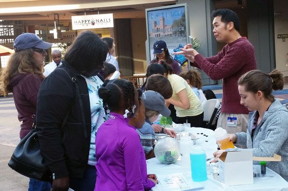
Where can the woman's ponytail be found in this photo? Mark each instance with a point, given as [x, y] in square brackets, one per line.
[277, 80]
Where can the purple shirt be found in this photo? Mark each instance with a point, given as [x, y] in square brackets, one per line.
[121, 163]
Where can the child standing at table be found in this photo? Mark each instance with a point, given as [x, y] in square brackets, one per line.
[160, 84]
[121, 163]
[154, 105]
[193, 78]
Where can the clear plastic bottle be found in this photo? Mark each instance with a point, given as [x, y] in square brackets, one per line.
[198, 164]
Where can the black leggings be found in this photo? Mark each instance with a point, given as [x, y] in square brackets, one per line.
[195, 121]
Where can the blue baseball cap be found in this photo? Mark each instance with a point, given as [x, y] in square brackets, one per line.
[159, 46]
[155, 102]
[30, 40]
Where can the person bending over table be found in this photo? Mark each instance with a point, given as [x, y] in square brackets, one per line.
[154, 105]
[160, 84]
[187, 105]
[268, 124]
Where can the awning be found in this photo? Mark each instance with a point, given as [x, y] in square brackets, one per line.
[4, 51]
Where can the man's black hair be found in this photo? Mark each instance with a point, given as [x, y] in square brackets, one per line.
[155, 69]
[109, 41]
[107, 70]
[227, 16]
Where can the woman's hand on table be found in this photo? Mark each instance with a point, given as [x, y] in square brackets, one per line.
[153, 178]
[159, 129]
[170, 132]
[232, 137]
[217, 154]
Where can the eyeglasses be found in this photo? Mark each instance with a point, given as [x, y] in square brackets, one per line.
[41, 51]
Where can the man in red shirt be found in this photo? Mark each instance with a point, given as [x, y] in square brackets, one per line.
[236, 58]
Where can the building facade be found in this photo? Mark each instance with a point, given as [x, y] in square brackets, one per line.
[263, 22]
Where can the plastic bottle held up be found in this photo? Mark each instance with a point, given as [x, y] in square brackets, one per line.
[222, 139]
[198, 164]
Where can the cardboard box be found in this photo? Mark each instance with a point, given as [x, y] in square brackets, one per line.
[236, 167]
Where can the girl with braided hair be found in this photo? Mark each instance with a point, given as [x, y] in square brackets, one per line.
[121, 163]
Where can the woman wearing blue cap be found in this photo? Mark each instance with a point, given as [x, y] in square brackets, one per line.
[23, 77]
[161, 53]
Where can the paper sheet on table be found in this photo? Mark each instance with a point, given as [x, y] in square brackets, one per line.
[176, 182]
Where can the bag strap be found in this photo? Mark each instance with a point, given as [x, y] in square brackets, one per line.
[65, 118]
[74, 80]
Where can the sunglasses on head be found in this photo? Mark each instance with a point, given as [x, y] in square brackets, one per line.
[41, 51]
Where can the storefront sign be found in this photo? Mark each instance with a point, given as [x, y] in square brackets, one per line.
[64, 37]
[282, 36]
[92, 21]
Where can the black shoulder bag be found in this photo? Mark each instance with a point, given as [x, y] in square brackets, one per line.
[27, 159]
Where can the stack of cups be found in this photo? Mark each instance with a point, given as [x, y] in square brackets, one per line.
[223, 139]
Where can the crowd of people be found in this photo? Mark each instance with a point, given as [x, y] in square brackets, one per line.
[96, 130]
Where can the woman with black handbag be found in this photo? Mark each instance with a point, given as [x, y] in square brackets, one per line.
[23, 77]
[72, 88]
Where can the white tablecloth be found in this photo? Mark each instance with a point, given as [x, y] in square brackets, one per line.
[177, 177]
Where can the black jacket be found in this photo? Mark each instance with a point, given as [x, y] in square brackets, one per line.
[65, 148]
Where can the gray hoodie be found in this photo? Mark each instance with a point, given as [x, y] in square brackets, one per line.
[270, 137]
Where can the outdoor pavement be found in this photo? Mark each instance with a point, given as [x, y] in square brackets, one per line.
[9, 137]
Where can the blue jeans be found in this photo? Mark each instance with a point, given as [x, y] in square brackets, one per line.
[87, 183]
[37, 185]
